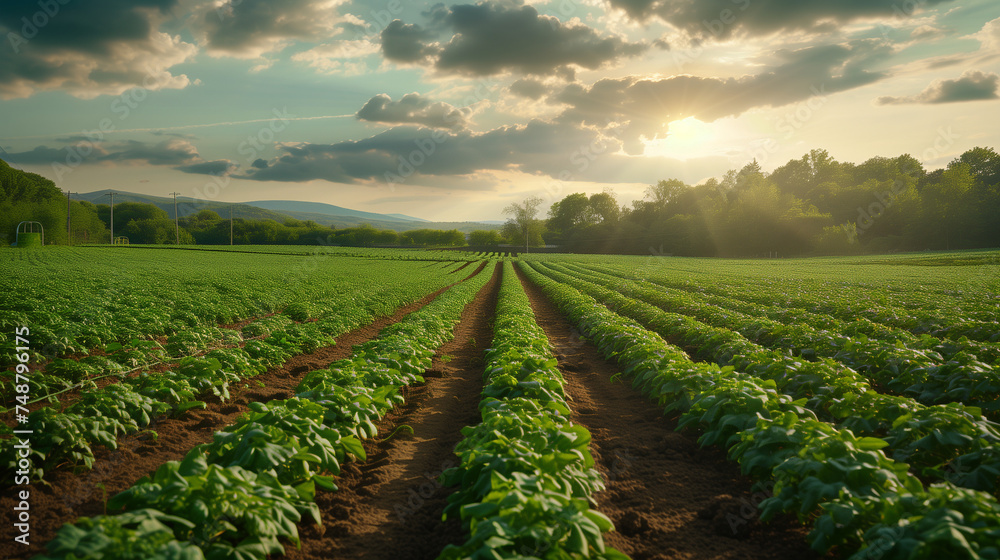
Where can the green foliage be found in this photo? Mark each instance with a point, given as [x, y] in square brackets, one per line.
[810, 205]
[859, 498]
[526, 474]
[144, 534]
[228, 512]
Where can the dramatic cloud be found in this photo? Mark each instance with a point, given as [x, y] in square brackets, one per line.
[723, 18]
[169, 152]
[532, 89]
[216, 167]
[643, 107]
[402, 152]
[494, 37]
[88, 48]
[407, 42]
[178, 153]
[972, 85]
[412, 109]
[251, 28]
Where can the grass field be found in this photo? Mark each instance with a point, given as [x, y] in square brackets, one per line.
[254, 402]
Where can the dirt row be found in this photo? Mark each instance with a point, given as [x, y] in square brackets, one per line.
[390, 506]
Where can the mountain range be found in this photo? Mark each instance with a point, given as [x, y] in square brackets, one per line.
[281, 210]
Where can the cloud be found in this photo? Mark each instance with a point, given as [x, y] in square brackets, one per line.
[407, 42]
[721, 19]
[89, 48]
[642, 107]
[215, 167]
[251, 28]
[412, 108]
[972, 85]
[339, 57]
[168, 152]
[989, 36]
[529, 88]
[493, 37]
[178, 153]
[537, 147]
[44, 155]
[926, 33]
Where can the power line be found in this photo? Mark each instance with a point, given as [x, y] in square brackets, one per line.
[177, 225]
[112, 195]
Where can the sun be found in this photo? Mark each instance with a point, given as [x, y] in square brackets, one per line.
[686, 138]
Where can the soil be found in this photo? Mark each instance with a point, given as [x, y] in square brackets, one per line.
[667, 496]
[70, 496]
[391, 505]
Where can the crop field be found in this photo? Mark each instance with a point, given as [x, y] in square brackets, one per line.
[306, 403]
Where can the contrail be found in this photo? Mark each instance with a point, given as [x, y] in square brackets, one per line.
[183, 126]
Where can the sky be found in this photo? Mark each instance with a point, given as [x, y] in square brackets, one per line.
[451, 112]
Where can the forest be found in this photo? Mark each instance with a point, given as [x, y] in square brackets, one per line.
[814, 205]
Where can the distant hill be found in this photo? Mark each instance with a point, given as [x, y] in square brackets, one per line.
[318, 208]
[281, 210]
[410, 218]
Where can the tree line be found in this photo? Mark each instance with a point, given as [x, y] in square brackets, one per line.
[31, 197]
[811, 205]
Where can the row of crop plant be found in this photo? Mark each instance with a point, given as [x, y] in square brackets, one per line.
[240, 496]
[931, 371]
[526, 477]
[942, 442]
[857, 498]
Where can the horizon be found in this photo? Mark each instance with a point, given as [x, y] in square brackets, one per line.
[452, 112]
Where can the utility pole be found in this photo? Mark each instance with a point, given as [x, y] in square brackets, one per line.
[112, 195]
[177, 224]
[69, 229]
[230, 224]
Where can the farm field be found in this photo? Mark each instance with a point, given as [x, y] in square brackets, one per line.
[310, 403]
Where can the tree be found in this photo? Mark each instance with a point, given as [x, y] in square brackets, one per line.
[604, 206]
[484, 238]
[984, 165]
[949, 209]
[522, 221]
[665, 192]
[569, 212]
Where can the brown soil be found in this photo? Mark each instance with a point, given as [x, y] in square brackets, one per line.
[667, 496]
[467, 263]
[390, 506]
[75, 495]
